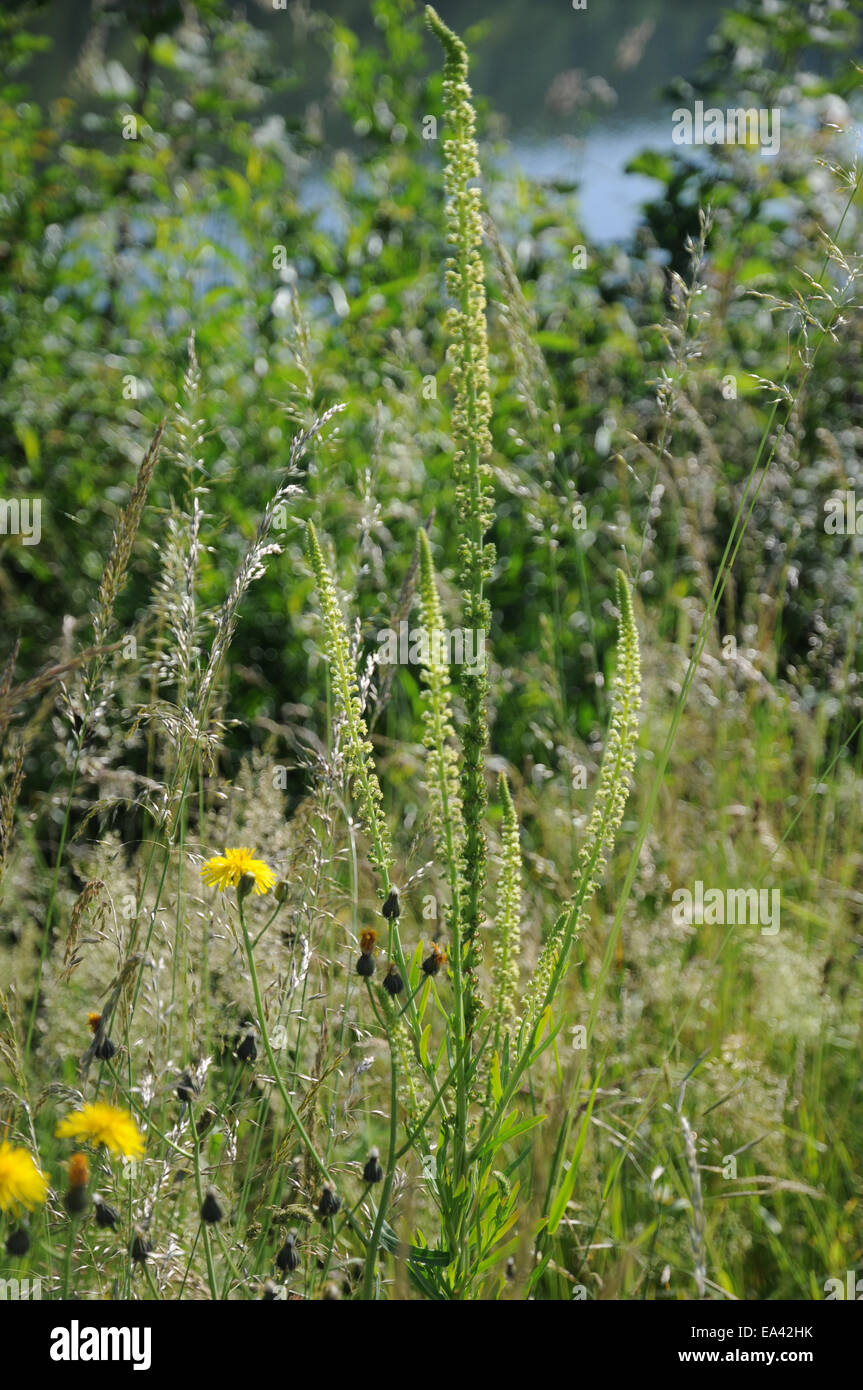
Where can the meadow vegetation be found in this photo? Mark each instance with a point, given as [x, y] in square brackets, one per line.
[327, 978]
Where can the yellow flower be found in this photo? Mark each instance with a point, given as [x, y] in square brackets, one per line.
[22, 1184]
[103, 1124]
[224, 870]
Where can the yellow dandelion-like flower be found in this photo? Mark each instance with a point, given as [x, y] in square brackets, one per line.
[22, 1184]
[103, 1124]
[225, 870]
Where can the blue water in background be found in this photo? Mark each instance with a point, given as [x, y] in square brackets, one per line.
[521, 52]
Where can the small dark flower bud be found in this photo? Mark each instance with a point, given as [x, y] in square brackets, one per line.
[392, 907]
[105, 1050]
[510, 1268]
[353, 1273]
[186, 1087]
[272, 1293]
[373, 1172]
[331, 1292]
[106, 1216]
[366, 966]
[393, 982]
[281, 890]
[288, 1258]
[330, 1201]
[75, 1201]
[141, 1247]
[18, 1241]
[211, 1210]
[247, 1050]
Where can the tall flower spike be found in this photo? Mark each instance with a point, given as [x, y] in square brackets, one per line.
[358, 749]
[444, 798]
[471, 416]
[608, 806]
[507, 936]
[438, 738]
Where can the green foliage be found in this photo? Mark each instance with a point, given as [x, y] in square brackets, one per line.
[681, 407]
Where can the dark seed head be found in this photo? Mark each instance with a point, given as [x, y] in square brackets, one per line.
[331, 1292]
[393, 982]
[510, 1268]
[105, 1216]
[373, 1172]
[288, 1259]
[18, 1241]
[392, 907]
[271, 1292]
[105, 1050]
[366, 966]
[330, 1201]
[211, 1210]
[141, 1247]
[247, 1050]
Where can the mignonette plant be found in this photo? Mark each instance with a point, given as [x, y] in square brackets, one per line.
[460, 1083]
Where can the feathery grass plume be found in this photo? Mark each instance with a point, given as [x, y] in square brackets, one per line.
[187, 429]
[95, 694]
[196, 734]
[607, 813]
[9, 800]
[12, 783]
[253, 565]
[471, 416]
[5, 687]
[533, 380]
[15, 695]
[507, 935]
[114, 574]
[358, 748]
[176, 605]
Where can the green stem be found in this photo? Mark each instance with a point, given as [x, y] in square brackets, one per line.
[265, 1037]
[211, 1271]
[374, 1242]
